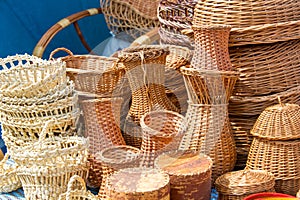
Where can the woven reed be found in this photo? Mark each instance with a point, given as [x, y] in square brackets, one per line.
[144, 183]
[278, 122]
[190, 174]
[9, 180]
[266, 68]
[145, 71]
[174, 37]
[209, 132]
[102, 127]
[134, 17]
[211, 48]
[253, 22]
[281, 158]
[162, 131]
[239, 184]
[48, 182]
[31, 79]
[79, 192]
[114, 159]
[209, 86]
[252, 106]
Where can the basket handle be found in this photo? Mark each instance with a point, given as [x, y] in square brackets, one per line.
[73, 180]
[60, 49]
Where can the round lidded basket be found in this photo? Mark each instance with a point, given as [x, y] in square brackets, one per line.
[239, 184]
[190, 174]
[138, 183]
[9, 181]
[31, 79]
[278, 122]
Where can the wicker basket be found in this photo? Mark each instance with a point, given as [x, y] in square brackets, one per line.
[209, 132]
[144, 183]
[209, 86]
[278, 122]
[281, 158]
[253, 22]
[9, 180]
[190, 174]
[134, 17]
[114, 159]
[237, 185]
[162, 131]
[80, 192]
[31, 79]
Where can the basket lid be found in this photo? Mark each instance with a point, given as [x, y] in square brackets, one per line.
[245, 182]
[278, 122]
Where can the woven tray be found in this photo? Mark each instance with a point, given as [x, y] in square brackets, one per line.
[239, 184]
[9, 180]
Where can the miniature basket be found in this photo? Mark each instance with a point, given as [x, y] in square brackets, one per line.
[278, 122]
[31, 79]
[80, 192]
[253, 22]
[281, 158]
[240, 184]
[144, 183]
[190, 174]
[266, 68]
[9, 180]
[162, 131]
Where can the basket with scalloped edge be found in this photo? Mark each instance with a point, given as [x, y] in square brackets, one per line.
[9, 180]
[27, 78]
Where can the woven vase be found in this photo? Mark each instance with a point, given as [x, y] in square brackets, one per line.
[144, 68]
[162, 131]
[102, 127]
[209, 132]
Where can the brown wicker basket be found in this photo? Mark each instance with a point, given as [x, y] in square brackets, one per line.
[278, 122]
[138, 183]
[281, 158]
[80, 192]
[237, 185]
[162, 131]
[253, 22]
[190, 174]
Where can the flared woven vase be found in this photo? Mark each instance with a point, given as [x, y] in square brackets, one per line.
[102, 127]
[209, 132]
[145, 71]
[162, 131]
[209, 86]
[211, 47]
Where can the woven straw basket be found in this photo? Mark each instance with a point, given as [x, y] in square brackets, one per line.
[80, 191]
[253, 22]
[9, 180]
[237, 185]
[31, 79]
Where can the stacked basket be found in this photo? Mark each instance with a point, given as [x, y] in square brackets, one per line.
[263, 47]
[276, 146]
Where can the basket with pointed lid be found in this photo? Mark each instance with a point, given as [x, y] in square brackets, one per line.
[239, 184]
[278, 122]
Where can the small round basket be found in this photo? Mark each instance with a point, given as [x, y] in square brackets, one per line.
[237, 185]
[9, 180]
[31, 79]
[80, 191]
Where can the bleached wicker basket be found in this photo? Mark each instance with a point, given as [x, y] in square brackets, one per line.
[9, 181]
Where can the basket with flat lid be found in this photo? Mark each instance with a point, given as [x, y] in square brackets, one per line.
[241, 183]
[278, 122]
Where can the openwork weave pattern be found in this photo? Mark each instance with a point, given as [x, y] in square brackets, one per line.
[141, 183]
[237, 185]
[162, 131]
[135, 17]
[192, 182]
[9, 181]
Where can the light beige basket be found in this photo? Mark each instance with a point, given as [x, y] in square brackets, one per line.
[77, 191]
[237, 185]
[31, 79]
[9, 180]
